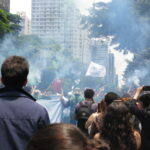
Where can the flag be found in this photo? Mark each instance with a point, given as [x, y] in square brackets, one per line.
[57, 85]
[96, 70]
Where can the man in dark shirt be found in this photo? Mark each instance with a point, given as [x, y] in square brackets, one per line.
[142, 112]
[84, 109]
[20, 115]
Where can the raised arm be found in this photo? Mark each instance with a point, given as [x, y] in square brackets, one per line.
[138, 92]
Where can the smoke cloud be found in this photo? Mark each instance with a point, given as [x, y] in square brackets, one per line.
[129, 25]
[41, 55]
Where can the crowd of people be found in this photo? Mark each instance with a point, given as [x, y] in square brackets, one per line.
[113, 123]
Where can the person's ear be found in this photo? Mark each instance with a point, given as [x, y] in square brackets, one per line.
[25, 82]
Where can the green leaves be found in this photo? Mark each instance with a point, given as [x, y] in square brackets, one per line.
[9, 23]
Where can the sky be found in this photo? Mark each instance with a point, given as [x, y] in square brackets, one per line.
[25, 5]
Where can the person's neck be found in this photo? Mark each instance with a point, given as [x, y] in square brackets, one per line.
[14, 87]
[89, 99]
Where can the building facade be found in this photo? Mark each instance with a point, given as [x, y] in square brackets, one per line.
[59, 20]
[5, 4]
[47, 19]
[102, 55]
[25, 23]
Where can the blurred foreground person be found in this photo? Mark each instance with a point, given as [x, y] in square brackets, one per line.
[20, 115]
[63, 137]
[142, 112]
[84, 109]
[117, 128]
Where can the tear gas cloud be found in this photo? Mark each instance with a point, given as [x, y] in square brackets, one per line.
[39, 60]
[131, 31]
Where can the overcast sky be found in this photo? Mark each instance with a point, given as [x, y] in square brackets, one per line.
[25, 5]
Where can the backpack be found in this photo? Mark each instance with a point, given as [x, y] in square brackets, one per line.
[84, 111]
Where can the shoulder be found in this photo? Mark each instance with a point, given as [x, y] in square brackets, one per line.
[137, 137]
[94, 106]
[33, 107]
[91, 119]
[97, 136]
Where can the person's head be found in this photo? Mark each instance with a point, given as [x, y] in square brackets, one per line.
[14, 71]
[77, 91]
[145, 100]
[89, 93]
[117, 127]
[63, 137]
[110, 97]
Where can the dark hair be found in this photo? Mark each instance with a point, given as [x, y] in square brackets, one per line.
[14, 71]
[89, 93]
[145, 99]
[117, 128]
[110, 97]
[63, 137]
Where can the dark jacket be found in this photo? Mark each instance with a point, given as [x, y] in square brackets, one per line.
[144, 118]
[20, 117]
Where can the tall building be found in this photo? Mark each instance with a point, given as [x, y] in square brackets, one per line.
[100, 51]
[48, 20]
[25, 23]
[76, 38]
[5, 4]
[111, 76]
[59, 20]
[102, 55]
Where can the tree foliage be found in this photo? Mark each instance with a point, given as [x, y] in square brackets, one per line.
[9, 23]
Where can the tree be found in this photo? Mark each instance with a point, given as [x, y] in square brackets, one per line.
[9, 23]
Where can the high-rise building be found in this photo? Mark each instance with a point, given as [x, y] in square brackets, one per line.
[5, 4]
[76, 38]
[100, 51]
[25, 23]
[48, 20]
[111, 76]
[102, 56]
[59, 20]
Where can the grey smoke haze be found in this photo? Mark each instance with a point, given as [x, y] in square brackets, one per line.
[129, 30]
[38, 60]
[136, 76]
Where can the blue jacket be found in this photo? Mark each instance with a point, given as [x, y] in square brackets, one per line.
[20, 117]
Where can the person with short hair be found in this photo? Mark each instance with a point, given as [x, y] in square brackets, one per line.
[84, 109]
[20, 115]
[110, 97]
[64, 137]
[75, 98]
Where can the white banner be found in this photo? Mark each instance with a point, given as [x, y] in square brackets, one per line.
[54, 108]
[96, 70]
